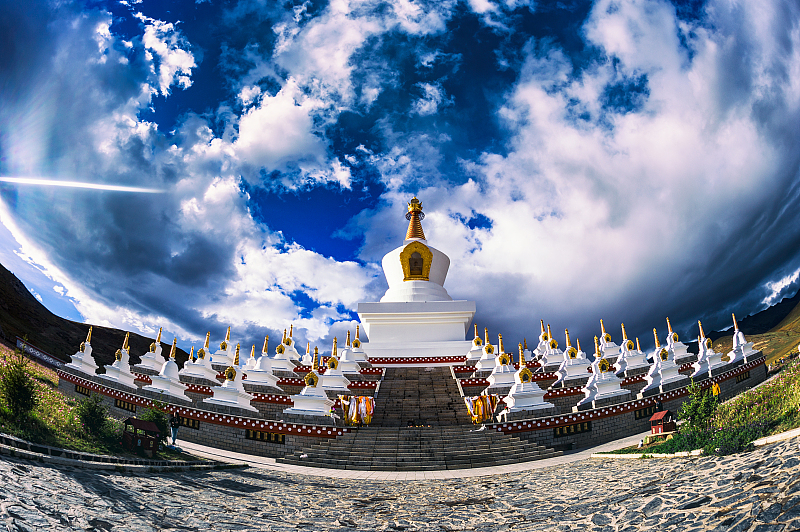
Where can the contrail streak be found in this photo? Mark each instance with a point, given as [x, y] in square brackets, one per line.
[77, 184]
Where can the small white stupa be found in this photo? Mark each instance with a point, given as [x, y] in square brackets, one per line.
[83, 360]
[553, 356]
[542, 346]
[680, 351]
[663, 375]
[488, 359]
[152, 361]
[574, 368]
[200, 368]
[308, 358]
[359, 355]
[347, 362]
[286, 357]
[120, 370]
[502, 378]
[603, 387]
[333, 379]
[708, 360]
[261, 373]
[742, 349]
[526, 398]
[631, 361]
[251, 360]
[232, 392]
[168, 381]
[312, 400]
[608, 348]
[476, 350]
[223, 358]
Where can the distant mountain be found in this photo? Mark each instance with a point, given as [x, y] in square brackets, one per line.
[21, 314]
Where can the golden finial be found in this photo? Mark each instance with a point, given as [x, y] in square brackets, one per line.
[549, 334]
[578, 343]
[566, 333]
[265, 349]
[125, 343]
[602, 327]
[541, 323]
[291, 328]
[476, 329]
[669, 326]
[596, 346]
[191, 355]
[486, 335]
[253, 352]
[525, 344]
[702, 334]
[638, 347]
[415, 217]
[335, 351]
[655, 335]
[735, 325]
[283, 340]
[521, 357]
[236, 357]
[500, 344]
[357, 327]
[624, 334]
[314, 362]
[208, 338]
[356, 342]
[158, 338]
[347, 343]
[308, 348]
[89, 335]
[173, 349]
[228, 334]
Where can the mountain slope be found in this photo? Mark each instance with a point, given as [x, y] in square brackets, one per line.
[21, 314]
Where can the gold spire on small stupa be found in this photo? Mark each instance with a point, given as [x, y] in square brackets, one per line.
[624, 334]
[308, 348]
[735, 324]
[347, 343]
[357, 341]
[566, 333]
[541, 324]
[655, 335]
[158, 338]
[191, 355]
[602, 327]
[335, 350]
[638, 347]
[669, 326]
[357, 328]
[476, 329]
[89, 335]
[173, 349]
[578, 343]
[236, 357]
[500, 344]
[486, 335]
[253, 352]
[596, 347]
[521, 357]
[125, 343]
[208, 339]
[291, 328]
[265, 349]
[702, 334]
[314, 362]
[525, 344]
[415, 217]
[283, 340]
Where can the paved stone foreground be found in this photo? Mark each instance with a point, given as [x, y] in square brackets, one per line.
[756, 491]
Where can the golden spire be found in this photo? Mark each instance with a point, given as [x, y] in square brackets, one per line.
[174, 348]
[602, 327]
[191, 354]
[308, 348]
[541, 323]
[335, 351]
[265, 349]
[549, 334]
[415, 217]
[236, 357]
[291, 328]
[158, 338]
[624, 334]
[702, 334]
[357, 326]
[500, 344]
[578, 342]
[525, 344]
[314, 362]
[735, 325]
[521, 357]
[228, 334]
[347, 344]
[89, 335]
[253, 352]
[125, 343]
[596, 347]
[669, 326]
[208, 338]
[566, 333]
[283, 340]
[486, 336]
[655, 335]
[638, 347]
[476, 329]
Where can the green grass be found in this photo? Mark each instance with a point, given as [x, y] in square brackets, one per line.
[54, 420]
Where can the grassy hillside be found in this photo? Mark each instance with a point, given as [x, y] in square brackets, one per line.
[21, 314]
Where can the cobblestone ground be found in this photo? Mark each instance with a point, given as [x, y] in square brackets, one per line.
[756, 491]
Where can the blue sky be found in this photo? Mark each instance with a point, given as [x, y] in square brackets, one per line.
[626, 160]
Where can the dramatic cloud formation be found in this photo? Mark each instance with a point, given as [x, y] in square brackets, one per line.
[626, 160]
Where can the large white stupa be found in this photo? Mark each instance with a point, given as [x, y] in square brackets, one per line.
[416, 317]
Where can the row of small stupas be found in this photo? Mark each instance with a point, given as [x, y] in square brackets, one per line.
[600, 378]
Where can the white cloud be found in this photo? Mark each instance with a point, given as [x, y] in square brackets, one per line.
[433, 97]
[164, 43]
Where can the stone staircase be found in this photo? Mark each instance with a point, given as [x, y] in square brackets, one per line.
[418, 449]
[422, 396]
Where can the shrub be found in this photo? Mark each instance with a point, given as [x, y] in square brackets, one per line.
[17, 388]
[158, 417]
[699, 409]
[92, 414]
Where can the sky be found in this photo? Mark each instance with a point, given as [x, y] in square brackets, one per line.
[626, 160]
